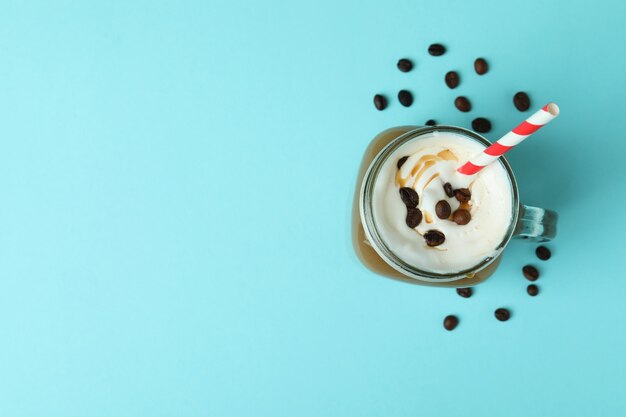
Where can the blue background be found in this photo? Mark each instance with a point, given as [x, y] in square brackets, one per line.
[177, 180]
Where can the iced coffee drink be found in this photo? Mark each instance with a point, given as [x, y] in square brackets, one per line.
[418, 218]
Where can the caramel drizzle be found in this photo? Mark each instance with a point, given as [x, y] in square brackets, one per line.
[424, 163]
[447, 155]
[435, 175]
[425, 166]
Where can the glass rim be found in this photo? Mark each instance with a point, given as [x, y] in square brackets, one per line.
[369, 225]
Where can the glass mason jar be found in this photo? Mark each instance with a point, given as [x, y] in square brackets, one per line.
[529, 223]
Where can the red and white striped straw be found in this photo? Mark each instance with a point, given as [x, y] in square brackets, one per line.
[508, 141]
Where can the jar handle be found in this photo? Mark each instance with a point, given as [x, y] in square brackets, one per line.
[535, 224]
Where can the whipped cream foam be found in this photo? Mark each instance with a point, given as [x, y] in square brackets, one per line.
[432, 162]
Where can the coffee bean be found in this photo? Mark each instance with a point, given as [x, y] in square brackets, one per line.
[452, 79]
[464, 292]
[409, 197]
[434, 237]
[413, 217]
[401, 161]
[461, 217]
[442, 209]
[502, 314]
[380, 102]
[532, 290]
[405, 65]
[543, 253]
[481, 66]
[447, 187]
[530, 272]
[430, 122]
[482, 125]
[436, 49]
[463, 104]
[450, 322]
[463, 195]
[521, 101]
[405, 97]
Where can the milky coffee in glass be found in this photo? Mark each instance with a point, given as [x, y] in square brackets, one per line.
[416, 218]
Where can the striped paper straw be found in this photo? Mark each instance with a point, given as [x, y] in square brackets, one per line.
[508, 141]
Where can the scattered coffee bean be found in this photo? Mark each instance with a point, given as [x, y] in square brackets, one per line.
[530, 272]
[405, 65]
[502, 314]
[443, 209]
[461, 217]
[380, 102]
[436, 49]
[452, 79]
[463, 195]
[430, 122]
[543, 253]
[447, 187]
[463, 104]
[409, 197]
[450, 322]
[521, 101]
[464, 292]
[405, 97]
[401, 161]
[481, 125]
[481, 66]
[532, 290]
[434, 237]
[413, 217]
